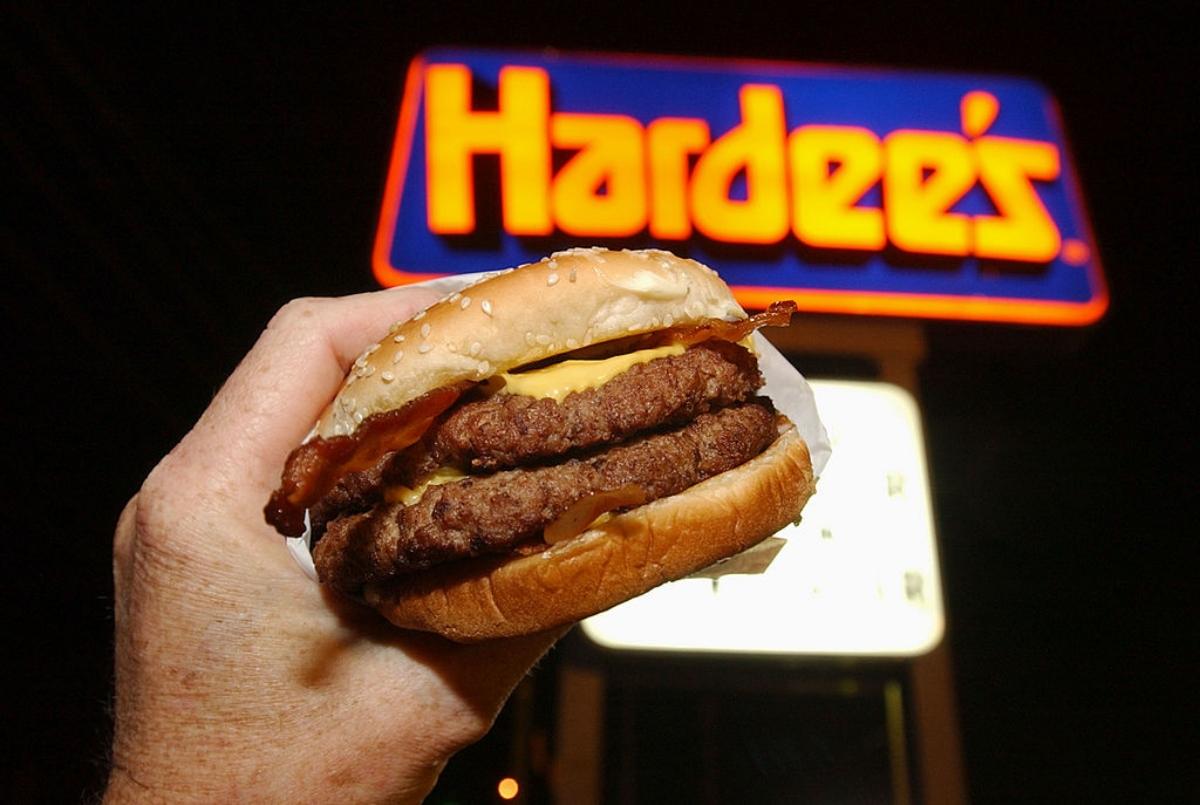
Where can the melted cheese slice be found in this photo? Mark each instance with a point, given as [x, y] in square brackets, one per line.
[560, 379]
[408, 496]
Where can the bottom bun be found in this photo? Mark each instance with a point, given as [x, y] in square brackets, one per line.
[622, 558]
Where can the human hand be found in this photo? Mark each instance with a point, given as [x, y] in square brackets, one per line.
[237, 677]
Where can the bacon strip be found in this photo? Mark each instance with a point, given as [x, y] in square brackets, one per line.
[777, 315]
[314, 467]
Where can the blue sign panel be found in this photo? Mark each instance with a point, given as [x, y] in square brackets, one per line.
[847, 190]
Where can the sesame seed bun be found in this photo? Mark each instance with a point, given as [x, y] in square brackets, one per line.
[568, 300]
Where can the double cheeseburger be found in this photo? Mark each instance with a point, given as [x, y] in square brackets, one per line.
[544, 445]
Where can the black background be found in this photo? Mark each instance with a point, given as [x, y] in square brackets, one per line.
[178, 177]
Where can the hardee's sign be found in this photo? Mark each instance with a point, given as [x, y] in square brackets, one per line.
[848, 191]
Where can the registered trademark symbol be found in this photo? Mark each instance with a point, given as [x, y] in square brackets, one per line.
[1075, 252]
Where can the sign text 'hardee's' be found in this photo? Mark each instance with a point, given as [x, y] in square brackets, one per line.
[852, 191]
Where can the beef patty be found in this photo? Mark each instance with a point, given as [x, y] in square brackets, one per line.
[509, 430]
[506, 430]
[491, 514]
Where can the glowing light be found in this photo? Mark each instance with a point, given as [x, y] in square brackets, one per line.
[602, 190]
[763, 159]
[508, 788]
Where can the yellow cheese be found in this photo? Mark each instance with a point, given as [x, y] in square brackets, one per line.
[560, 379]
[408, 496]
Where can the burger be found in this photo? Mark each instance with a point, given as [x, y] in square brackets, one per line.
[545, 444]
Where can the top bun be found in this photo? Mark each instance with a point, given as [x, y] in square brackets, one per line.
[514, 317]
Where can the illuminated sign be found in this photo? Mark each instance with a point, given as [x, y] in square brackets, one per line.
[851, 191]
[858, 575]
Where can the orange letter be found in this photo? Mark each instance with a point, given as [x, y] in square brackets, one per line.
[916, 205]
[823, 213]
[611, 158]
[756, 145]
[669, 141]
[518, 132]
[1024, 229]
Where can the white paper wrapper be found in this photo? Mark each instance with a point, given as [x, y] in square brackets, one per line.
[786, 387]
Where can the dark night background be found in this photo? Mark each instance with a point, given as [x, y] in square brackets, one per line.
[179, 177]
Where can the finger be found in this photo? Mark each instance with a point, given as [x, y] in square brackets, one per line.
[507, 661]
[483, 673]
[276, 394]
[479, 676]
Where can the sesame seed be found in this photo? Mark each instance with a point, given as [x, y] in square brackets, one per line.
[600, 259]
[664, 264]
[465, 303]
[371, 350]
[396, 358]
[455, 297]
[424, 348]
[571, 275]
[668, 320]
[632, 327]
[552, 279]
[425, 330]
[542, 339]
[419, 316]
[475, 348]
[399, 339]
[572, 343]
[484, 367]
[486, 304]
[359, 416]
[387, 377]
[552, 264]
[529, 339]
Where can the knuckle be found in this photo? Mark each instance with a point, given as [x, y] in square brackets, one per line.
[123, 537]
[126, 526]
[161, 505]
[298, 312]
